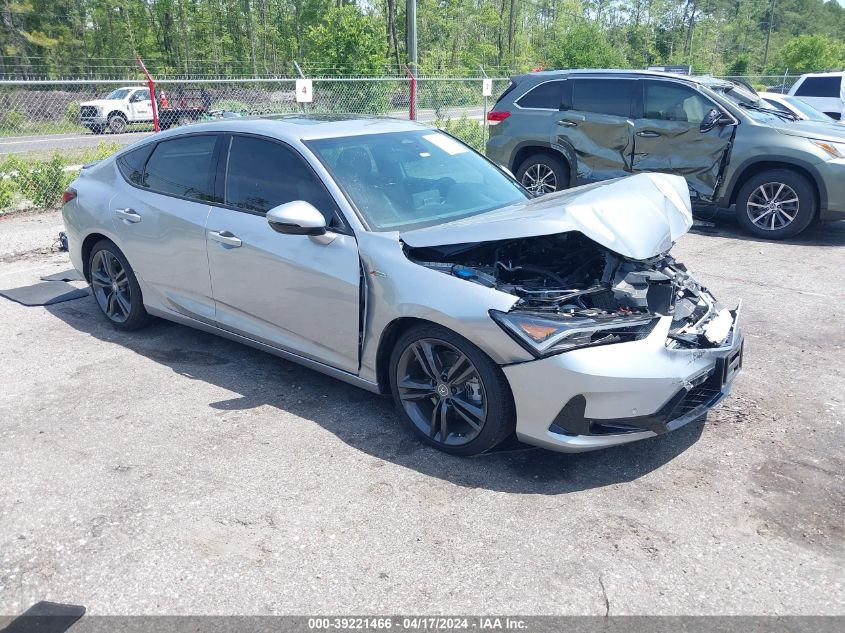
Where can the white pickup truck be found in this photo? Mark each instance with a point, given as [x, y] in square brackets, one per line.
[120, 107]
[132, 105]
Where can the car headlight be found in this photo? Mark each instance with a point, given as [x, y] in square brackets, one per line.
[544, 336]
[836, 150]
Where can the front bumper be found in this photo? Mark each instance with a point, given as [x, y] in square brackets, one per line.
[615, 394]
[833, 175]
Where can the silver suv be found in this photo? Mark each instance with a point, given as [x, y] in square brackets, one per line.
[557, 129]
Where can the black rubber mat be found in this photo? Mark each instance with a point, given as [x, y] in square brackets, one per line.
[44, 293]
[68, 275]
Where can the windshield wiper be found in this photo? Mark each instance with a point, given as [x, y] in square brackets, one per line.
[786, 115]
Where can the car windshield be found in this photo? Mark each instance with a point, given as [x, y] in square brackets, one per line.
[120, 93]
[757, 108]
[404, 180]
[808, 111]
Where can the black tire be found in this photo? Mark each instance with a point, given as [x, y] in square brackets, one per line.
[486, 390]
[766, 202]
[185, 120]
[102, 288]
[117, 123]
[545, 168]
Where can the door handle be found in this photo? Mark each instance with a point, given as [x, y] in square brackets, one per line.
[648, 134]
[225, 237]
[128, 215]
[567, 123]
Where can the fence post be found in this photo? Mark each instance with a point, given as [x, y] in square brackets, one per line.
[484, 113]
[152, 88]
[412, 110]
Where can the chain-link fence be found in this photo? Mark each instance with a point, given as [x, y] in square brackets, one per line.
[49, 128]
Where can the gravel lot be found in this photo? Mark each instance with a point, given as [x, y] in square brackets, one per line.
[169, 471]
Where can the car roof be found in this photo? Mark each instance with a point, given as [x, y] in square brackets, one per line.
[611, 72]
[302, 127]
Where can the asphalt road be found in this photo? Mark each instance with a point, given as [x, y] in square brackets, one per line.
[170, 471]
[57, 142]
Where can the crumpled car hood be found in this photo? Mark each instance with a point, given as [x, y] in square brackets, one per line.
[638, 217]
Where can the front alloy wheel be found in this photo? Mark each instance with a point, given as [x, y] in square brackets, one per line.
[442, 392]
[451, 394]
[773, 206]
[776, 204]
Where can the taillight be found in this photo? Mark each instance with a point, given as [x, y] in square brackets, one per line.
[68, 195]
[495, 116]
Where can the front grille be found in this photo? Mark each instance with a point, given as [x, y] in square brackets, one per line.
[88, 111]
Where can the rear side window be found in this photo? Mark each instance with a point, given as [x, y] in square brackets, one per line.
[819, 87]
[262, 174]
[603, 96]
[131, 164]
[183, 167]
[547, 95]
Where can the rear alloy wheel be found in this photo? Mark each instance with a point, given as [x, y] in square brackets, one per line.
[776, 204]
[117, 124]
[452, 395]
[542, 174]
[115, 287]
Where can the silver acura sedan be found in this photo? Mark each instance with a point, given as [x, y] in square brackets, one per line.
[392, 256]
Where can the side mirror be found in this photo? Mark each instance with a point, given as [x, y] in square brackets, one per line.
[711, 120]
[299, 218]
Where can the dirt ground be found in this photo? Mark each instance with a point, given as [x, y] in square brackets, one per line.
[169, 471]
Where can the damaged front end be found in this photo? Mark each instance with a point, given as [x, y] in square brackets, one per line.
[572, 293]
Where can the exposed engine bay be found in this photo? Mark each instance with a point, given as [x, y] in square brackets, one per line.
[568, 276]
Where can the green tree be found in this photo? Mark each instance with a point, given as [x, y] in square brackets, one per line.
[348, 42]
[582, 45]
[807, 53]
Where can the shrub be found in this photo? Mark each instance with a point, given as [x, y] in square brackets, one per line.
[42, 181]
[72, 112]
[12, 120]
[469, 131]
[101, 152]
[231, 105]
[8, 191]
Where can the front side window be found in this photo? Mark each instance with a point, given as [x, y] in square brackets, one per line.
[603, 96]
[819, 87]
[666, 101]
[262, 174]
[183, 167]
[140, 95]
[404, 180]
[547, 96]
[131, 164]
